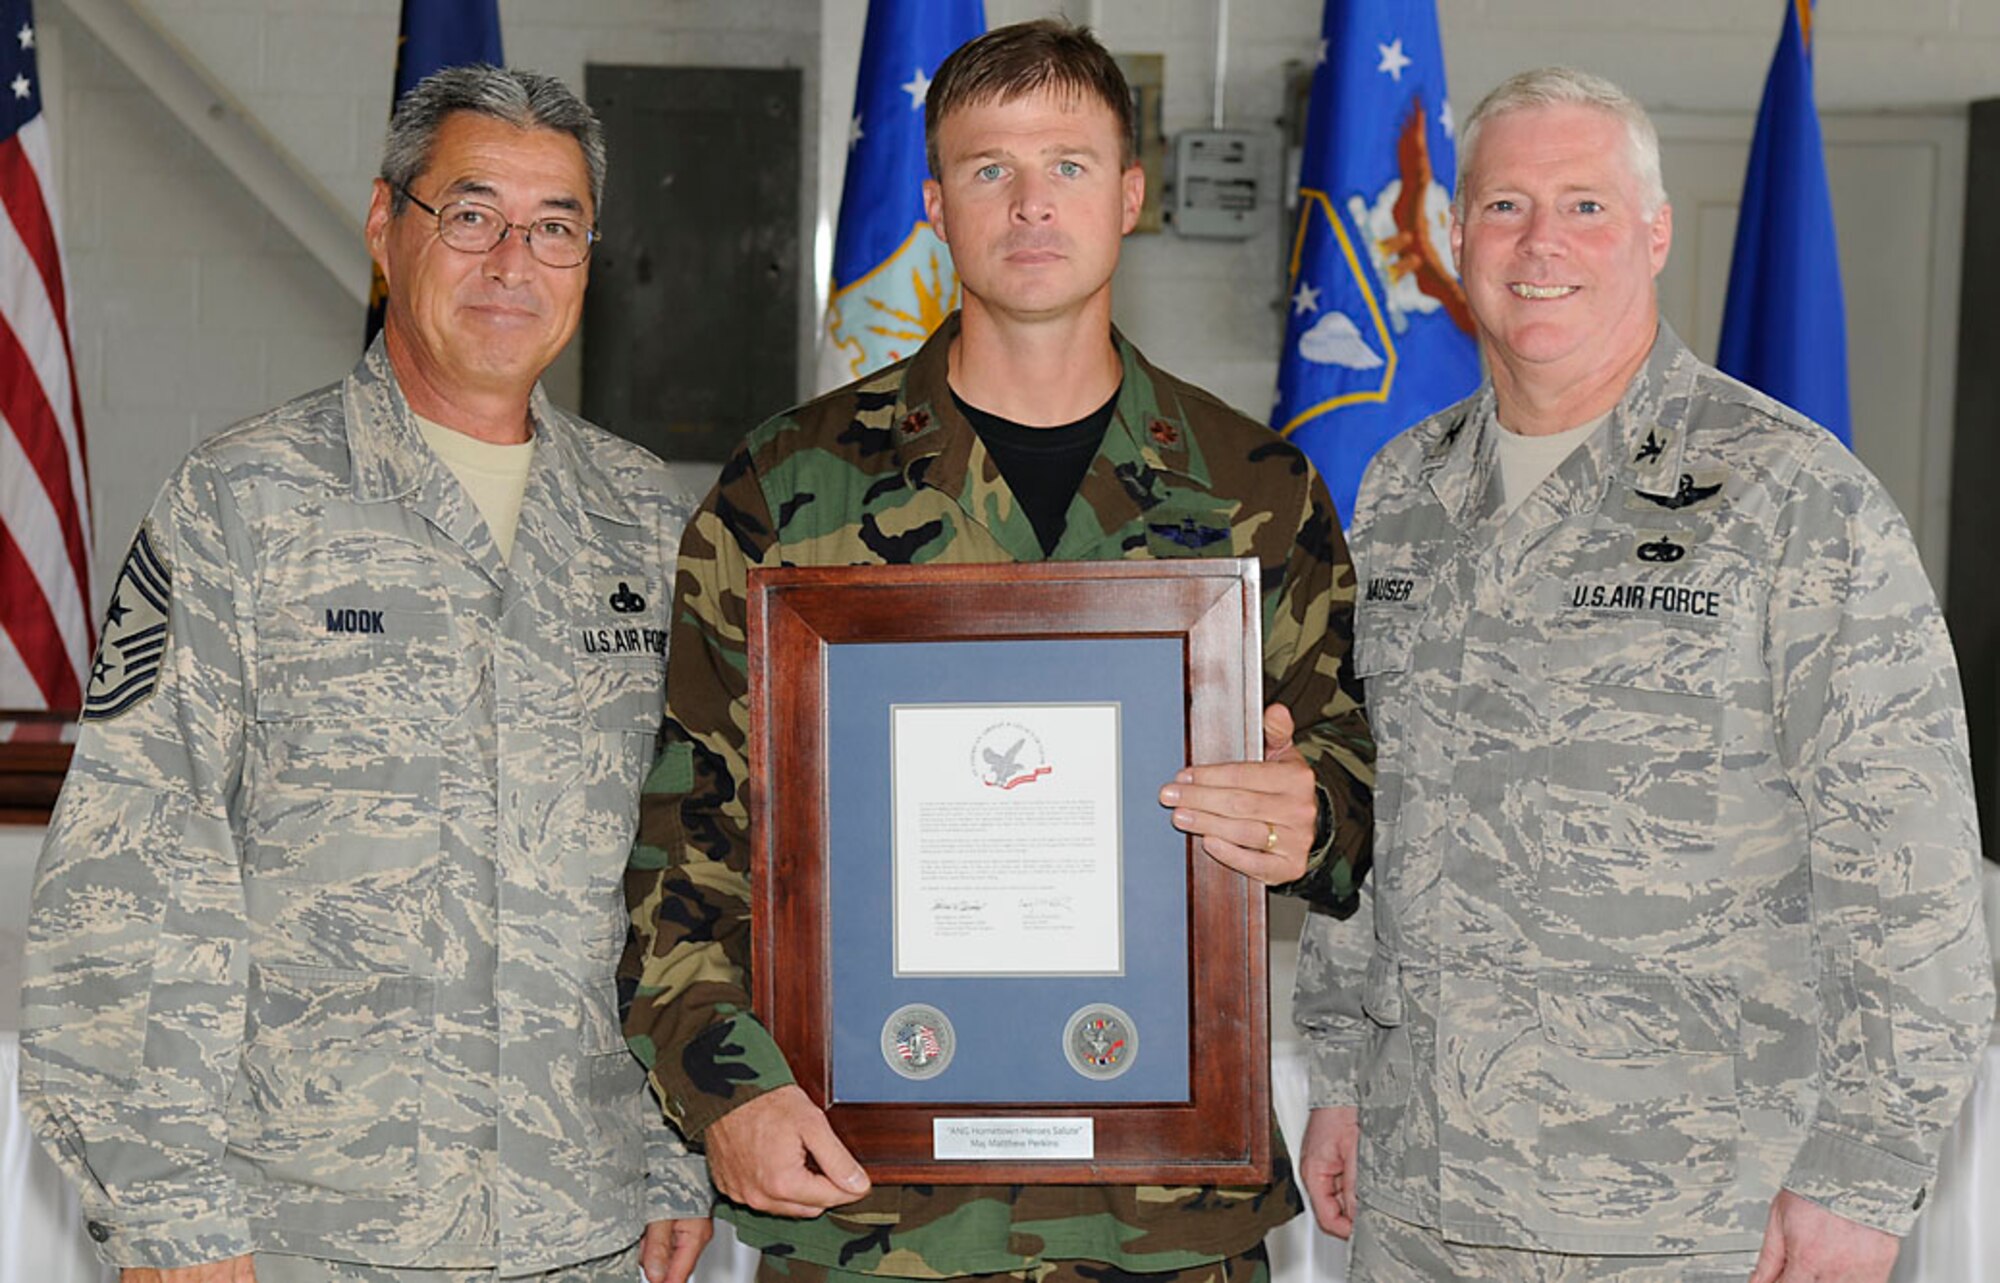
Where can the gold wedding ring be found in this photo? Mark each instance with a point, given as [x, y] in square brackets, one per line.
[1270, 837]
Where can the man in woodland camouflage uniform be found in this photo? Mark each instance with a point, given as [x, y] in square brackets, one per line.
[322, 971]
[1673, 965]
[1025, 430]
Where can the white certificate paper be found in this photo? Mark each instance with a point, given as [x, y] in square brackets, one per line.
[1008, 851]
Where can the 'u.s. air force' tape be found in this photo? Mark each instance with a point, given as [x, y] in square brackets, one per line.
[127, 667]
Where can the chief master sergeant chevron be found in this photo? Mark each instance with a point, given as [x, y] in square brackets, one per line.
[1024, 430]
[1674, 967]
[322, 969]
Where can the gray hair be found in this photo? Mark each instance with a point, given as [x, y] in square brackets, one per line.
[523, 99]
[1565, 86]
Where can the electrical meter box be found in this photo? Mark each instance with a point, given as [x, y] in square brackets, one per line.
[1219, 183]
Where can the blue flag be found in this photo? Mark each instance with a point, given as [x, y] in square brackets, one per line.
[433, 35]
[892, 277]
[1379, 334]
[436, 34]
[1784, 329]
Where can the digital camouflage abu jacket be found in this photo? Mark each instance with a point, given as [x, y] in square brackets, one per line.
[326, 930]
[1676, 897]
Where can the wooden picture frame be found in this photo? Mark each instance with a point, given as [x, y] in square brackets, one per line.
[1220, 1131]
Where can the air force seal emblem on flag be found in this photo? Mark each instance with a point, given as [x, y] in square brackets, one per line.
[1379, 333]
[135, 634]
[893, 280]
[887, 315]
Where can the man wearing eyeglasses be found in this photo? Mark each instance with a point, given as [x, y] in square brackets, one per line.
[323, 969]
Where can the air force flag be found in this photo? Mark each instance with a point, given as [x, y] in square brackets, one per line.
[1379, 335]
[892, 277]
[1784, 329]
[433, 35]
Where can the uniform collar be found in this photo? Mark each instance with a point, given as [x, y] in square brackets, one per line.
[936, 446]
[1147, 446]
[391, 462]
[1651, 422]
[1458, 458]
[1155, 422]
[390, 459]
[1644, 440]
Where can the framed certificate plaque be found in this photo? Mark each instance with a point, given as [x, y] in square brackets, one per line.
[982, 945]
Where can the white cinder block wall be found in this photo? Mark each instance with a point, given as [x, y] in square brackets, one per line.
[1211, 312]
[193, 308]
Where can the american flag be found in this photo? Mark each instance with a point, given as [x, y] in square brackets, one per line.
[919, 1044]
[46, 633]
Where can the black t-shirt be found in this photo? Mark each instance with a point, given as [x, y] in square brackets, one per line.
[1042, 466]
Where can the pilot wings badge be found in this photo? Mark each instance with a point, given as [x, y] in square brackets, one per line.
[1688, 493]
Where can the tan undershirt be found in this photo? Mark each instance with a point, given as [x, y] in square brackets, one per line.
[1526, 462]
[496, 476]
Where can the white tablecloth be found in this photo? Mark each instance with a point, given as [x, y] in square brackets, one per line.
[41, 1231]
[1957, 1239]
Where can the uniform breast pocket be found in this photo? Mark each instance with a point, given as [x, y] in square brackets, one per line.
[1387, 635]
[623, 705]
[328, 1093]
[1637, 1091]
[608, 1094]
[344, 750]
[1635, 725]
[1385, 642]
[1382, 643]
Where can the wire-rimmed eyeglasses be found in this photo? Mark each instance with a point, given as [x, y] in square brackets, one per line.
[473, 227]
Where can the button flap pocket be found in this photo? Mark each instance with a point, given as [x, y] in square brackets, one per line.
[300, 1006]
[1639, 655]
[1388, 618]
[379, 664]
[623, 697]
[1628, 1013]
[1382, 990]
[1383, 651]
